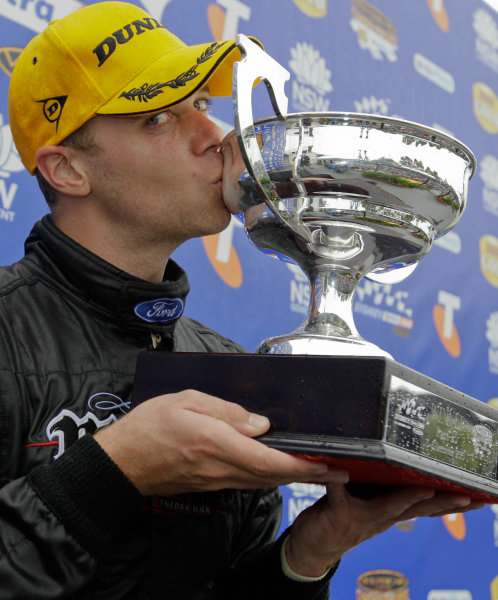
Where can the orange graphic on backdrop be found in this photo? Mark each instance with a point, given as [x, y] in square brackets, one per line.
[216, 20]
[455, 524]
[230, 270]
[438, 10]
[451, 344]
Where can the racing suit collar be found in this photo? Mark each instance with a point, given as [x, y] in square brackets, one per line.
[104, 288]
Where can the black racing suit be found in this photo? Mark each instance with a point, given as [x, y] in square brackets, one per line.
[75, 527]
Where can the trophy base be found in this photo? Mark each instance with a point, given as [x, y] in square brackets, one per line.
[304, 342]
[385, 423]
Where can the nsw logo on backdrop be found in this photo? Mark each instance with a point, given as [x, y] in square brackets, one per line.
[312, 78]
[10, 162]
[160, 310]
[486, 46]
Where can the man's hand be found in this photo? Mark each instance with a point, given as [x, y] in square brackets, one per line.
[192, 442]
[323, 533]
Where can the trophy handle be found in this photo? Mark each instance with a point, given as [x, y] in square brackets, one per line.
[257, 64]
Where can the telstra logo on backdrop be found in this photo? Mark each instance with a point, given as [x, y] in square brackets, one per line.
[224, 18]
[444, 320]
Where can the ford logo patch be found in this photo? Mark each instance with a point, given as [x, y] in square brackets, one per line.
[160, 310]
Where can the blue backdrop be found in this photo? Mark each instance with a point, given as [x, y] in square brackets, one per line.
[430, 61]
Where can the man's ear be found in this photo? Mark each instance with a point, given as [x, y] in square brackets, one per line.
[64, 172]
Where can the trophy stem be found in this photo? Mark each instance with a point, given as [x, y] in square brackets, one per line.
[329, 327]
[331, 304]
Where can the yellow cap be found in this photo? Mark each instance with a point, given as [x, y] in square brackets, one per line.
[110, 58]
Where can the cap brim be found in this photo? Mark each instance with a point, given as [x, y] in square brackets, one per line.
[175, 76]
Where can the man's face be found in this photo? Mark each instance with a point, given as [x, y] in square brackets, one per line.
[158, 176]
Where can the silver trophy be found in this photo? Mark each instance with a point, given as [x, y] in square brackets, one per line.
[347, 196]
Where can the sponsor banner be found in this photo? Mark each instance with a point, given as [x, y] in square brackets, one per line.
[375, 30]
[485, 104]
[439, 13]
[488, 250]
[223, 256]
[312, 78]
[10, 163]
[313, 8]
[302, 495]
[443, 315]
[8, 57]
[37, 14]
[450, 241]
[488, 172]
[456, 525]
[226, 18]
[373, 105]
[382, 584]
[492, 337]
[433, 72]
[494, 588]
[449, 595]
[299, 292]
[494, 509]
[385, 303]
[486, 45]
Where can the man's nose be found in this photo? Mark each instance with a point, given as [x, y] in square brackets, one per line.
[207, 134]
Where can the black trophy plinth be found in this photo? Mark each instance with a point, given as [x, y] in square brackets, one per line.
[385, 423]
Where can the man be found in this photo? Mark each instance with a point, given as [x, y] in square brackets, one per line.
[174, 499]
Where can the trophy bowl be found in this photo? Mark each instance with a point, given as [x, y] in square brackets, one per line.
[345, 196]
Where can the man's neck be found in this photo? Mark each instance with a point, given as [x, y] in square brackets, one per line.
[123, 249]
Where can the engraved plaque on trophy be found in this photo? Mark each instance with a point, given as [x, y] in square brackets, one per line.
[345, 196]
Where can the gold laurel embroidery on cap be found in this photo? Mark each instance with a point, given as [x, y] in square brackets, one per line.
[148, 91]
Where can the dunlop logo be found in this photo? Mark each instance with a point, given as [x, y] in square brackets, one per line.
[313, 8]
[485, 106]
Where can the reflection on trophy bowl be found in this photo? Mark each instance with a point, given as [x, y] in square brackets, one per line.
[345, 196]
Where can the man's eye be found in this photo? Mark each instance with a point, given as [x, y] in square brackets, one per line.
[158, 118]
[203, 104]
